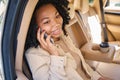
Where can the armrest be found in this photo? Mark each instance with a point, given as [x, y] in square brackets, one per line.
[91, 51]
[116, 57]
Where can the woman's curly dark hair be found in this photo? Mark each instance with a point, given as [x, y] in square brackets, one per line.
[61, 6]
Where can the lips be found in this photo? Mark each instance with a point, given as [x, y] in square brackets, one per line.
[56, 32]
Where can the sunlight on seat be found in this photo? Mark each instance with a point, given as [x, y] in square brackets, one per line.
[95, 28]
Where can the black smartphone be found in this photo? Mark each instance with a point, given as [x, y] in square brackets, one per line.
[45, 36]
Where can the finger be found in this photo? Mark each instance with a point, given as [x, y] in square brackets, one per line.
[39, 38]
[42, 44]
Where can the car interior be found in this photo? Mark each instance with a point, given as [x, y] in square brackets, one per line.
[86, 33]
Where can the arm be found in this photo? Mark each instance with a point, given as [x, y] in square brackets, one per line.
[44, 68]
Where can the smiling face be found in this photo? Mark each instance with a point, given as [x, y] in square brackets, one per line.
[49, 20]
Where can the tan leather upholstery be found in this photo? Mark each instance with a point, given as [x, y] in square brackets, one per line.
[80, 37]
[22, 36]
[115, 29]
[91, 51]
[81, 5]
[76, 32]
[112, 19]
[72, 11]
[87, 11]
[109, 18]
[96, 6]
[78, 5]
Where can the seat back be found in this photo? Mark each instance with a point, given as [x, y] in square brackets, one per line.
[90, 20]
[22, 37]
[75, 29]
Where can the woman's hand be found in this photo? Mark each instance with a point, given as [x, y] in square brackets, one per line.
[46, 44]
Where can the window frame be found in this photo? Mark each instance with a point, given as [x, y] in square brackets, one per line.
[11, 28]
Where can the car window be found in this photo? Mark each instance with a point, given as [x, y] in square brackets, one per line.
[3, 6]
[113, 6]
[114, 3]
[91, 1]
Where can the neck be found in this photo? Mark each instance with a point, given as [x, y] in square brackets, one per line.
[56, 39]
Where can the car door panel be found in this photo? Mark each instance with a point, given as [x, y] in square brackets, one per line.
[113, 25]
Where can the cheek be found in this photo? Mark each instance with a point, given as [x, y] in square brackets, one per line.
[46, 28]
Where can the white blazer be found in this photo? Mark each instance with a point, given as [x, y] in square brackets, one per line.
[49, 67]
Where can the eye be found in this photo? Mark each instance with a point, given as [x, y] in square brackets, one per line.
[58, 15]
[46, 22]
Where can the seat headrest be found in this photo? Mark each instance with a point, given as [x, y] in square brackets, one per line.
[81, 5]
[84, 8]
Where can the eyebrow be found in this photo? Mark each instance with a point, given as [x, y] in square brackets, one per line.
[48, 17]
[56, 12]
[44, 18]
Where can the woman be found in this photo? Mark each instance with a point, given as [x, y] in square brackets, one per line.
[58, 60]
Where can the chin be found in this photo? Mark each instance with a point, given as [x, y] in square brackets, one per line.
[56, 36]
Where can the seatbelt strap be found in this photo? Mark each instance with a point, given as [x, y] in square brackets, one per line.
[103, 24]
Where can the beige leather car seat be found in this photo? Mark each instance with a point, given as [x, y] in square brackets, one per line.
[92, 19]
[75, 29]
[24, 29]
[79, 28]
[22, 37]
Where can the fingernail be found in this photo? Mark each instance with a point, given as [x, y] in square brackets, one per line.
[43, 30]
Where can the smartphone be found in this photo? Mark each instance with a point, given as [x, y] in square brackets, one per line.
[45, 36]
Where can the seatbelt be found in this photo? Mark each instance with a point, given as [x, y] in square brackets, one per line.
[103, 24]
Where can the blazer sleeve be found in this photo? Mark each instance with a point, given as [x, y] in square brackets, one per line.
[46, 67]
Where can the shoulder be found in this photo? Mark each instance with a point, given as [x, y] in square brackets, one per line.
[67, 39]
[31, 50]
[36, 51]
